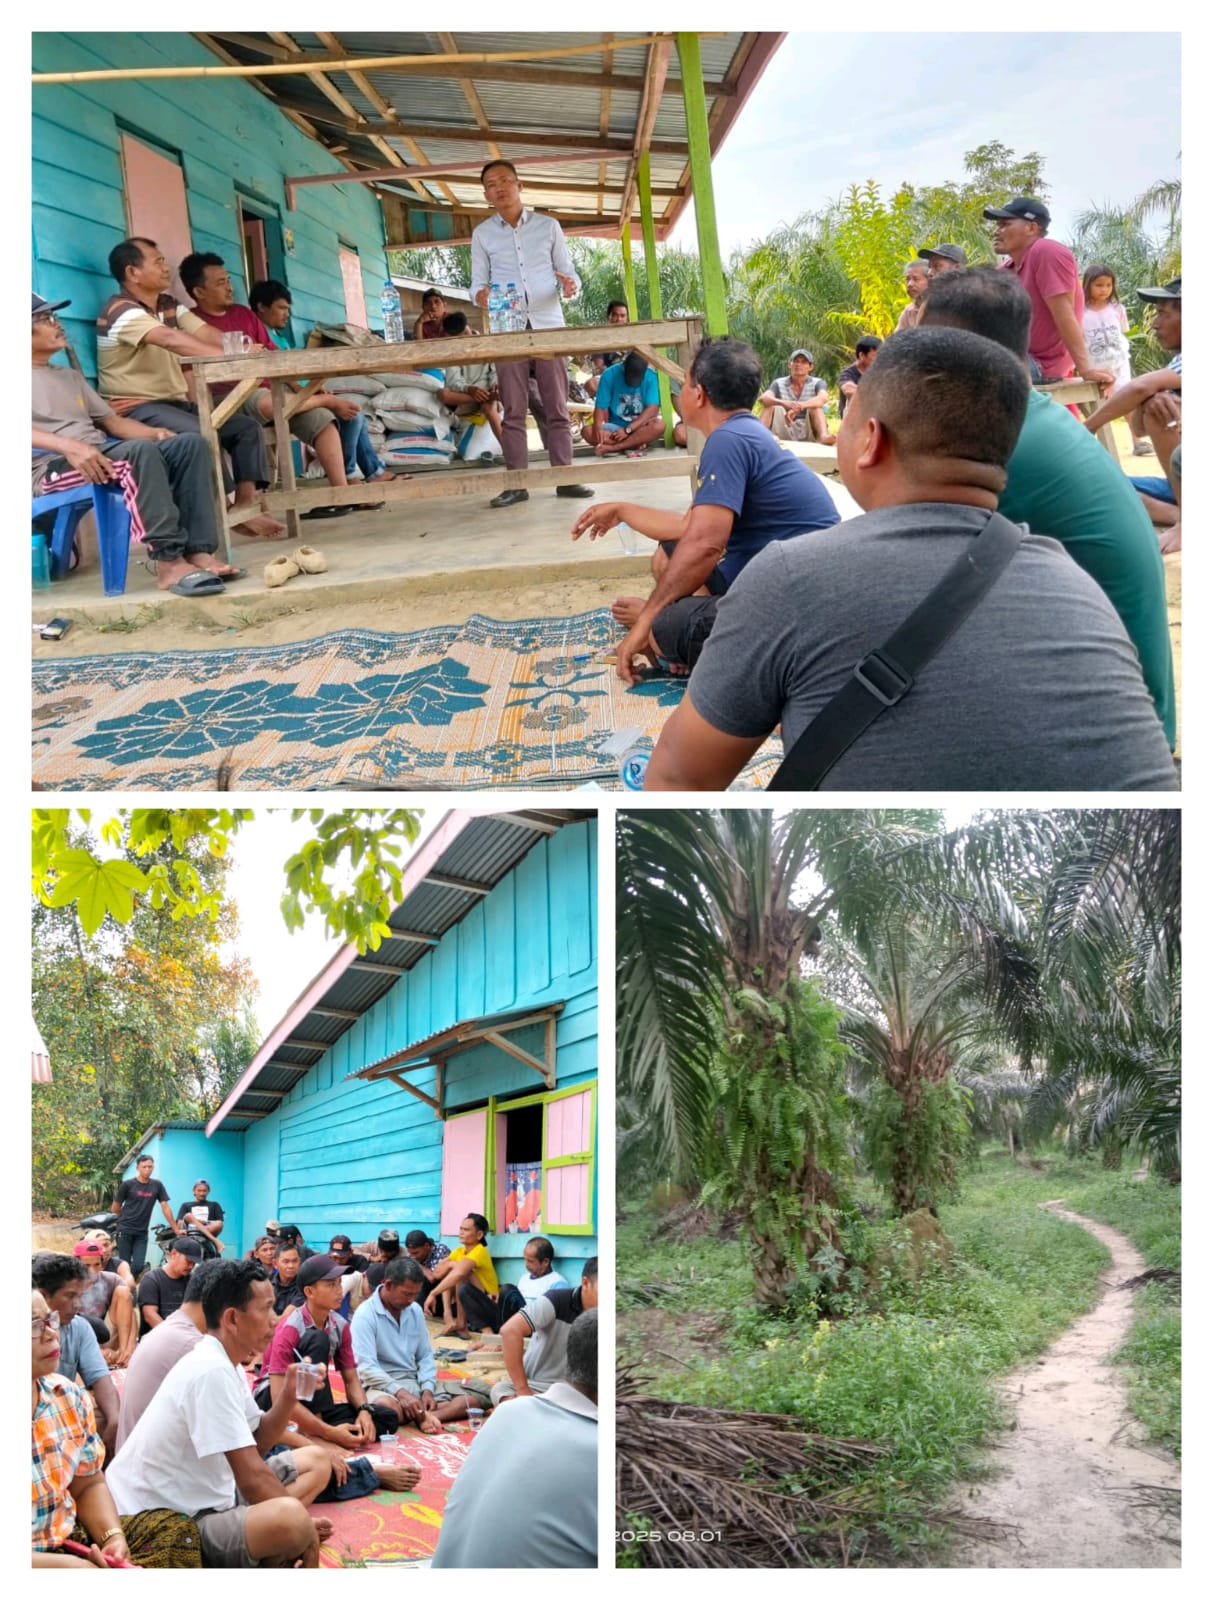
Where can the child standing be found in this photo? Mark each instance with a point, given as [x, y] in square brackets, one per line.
[1106, 328]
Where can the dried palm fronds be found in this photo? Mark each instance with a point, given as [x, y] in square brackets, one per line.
[711, 1487]
[1167, 1276]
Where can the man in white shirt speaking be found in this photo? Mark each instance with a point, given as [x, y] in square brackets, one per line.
[527, 249]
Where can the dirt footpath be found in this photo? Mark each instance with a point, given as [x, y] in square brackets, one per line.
[1066, 1477]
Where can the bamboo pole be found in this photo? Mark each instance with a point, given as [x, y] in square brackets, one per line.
[700, 150]
[629, 275]
[652, 271]
[351, 64]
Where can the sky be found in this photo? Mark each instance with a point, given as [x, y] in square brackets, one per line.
[833, 109]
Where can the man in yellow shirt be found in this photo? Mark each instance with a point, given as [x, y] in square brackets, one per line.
[482, 1301]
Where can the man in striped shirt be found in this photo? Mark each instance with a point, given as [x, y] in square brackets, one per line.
[527, 249]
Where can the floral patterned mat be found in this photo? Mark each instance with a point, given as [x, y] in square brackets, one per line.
[470, 705]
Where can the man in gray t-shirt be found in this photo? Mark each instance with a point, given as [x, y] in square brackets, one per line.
[1038, 688]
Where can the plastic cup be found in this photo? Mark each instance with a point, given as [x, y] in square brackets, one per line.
[475, 1418]
[307, 1379]
[634, 544]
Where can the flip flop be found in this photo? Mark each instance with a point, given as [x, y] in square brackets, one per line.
[197, 584]
[230, 577]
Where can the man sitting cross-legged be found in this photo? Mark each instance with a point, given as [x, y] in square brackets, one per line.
[198, 1446]
[794, 407]
[1038, 687]
[316, 1332]
[546, 1321]
[395, 1361]
[75, 430]
[143, 336]
[749, 493]
[627, 408]
[482, 1301]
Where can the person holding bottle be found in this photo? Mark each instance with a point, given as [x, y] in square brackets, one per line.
[524, 247]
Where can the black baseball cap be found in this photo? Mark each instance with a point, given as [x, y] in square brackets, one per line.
[185, 1246]
[1169, 291]
[43, 308]
[340, 1241]
[319, 1269]
[1022, 206]
[949, 252]
[389, 1236]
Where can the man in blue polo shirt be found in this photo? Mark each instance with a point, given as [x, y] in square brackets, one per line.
[749, 493]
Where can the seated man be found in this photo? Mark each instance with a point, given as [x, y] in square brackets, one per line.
[168, 475]
[1039, 688]
[794, 407]
[353, 1265]
[546, 1321]
[482, 1301]
[848, 378]
[429, 325]
[106, 1304]
[470, 389]
[160, 1350]
[205, 277]
[68, 1483]
[617, 315]
[395, 1362]
[288, 1291]
[270, 302]
[540, 1276]
[388, 1243]
[749, 493]
[143, 335]
[427, 1253]
[197, 1448]
[316, 1332]
[204, 1217]
[627, 408]
[60, 1280]
[109, 1261]
[1065, 485]
[288, 1233]
[548, 1442]
[162, 1290]
[1158, 394]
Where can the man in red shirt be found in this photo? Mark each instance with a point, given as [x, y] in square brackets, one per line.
[206, 279]
[1049, 272]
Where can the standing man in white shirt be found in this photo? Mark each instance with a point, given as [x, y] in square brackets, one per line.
[527, 249]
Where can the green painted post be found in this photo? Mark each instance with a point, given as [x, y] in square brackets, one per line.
[700, 151]
[629, 274]
[644, 187]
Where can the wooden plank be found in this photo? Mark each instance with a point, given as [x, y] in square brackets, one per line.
[232, 402]
[500, 937]
[662, 363]
[525, 1056]
[398, 1077]
[286, 456]
[206, 427]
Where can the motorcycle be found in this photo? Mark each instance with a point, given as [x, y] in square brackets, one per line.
[163, 1234]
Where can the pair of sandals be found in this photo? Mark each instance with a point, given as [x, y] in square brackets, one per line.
[283, 568]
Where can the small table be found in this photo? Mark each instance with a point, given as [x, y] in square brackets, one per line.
[1081, 392]
[279, 366]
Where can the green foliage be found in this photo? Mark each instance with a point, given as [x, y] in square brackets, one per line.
[876, 240]
[373, 841]
[1153, 1353]
[923, 1146]
[441, 265]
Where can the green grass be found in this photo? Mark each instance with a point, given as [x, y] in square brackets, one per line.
[916, 1366]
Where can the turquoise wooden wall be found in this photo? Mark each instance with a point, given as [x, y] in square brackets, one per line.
[182, 1157]
[229, 138]
[354, 1157]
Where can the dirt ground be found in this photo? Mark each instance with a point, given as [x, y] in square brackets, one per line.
[1068, 1477]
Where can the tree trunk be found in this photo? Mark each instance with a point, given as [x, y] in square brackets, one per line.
[1110, 1156]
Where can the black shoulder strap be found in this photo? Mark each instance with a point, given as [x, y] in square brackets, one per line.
[886, 675]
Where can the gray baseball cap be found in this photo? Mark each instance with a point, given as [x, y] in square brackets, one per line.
[949, 252]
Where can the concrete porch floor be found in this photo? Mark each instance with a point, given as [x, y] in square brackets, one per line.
[377, 560]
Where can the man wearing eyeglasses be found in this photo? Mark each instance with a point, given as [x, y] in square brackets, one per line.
[165, 476]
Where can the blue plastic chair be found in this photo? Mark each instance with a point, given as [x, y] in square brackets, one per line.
[113, 529]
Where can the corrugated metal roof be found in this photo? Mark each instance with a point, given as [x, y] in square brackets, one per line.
[482, 851]
[533, 92]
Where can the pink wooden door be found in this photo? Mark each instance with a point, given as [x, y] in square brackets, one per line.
[351, 278]
[256, 262]
[464, 1141]
[567, 1187]
[156, 207]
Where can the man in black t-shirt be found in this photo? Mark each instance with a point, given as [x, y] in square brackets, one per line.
[287, 1290]
[848, 378]
[389, 1249]
[162, 1290]
[133, 1206]
[204, 1217]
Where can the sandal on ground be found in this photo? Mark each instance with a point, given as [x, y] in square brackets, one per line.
[196, 584]
[279, 570]
[325, 511]
[308, 560]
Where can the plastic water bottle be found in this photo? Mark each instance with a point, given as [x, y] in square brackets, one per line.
[393, 321]
[517, 309]
[41, 562]
[498, 310]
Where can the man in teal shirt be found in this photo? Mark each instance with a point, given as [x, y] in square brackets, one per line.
[1065, 485]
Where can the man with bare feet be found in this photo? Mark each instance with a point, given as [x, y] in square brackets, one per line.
[627, 409]
[750, 493]
[168, 474]
[794, 407]
[143, 336]
[395, 1362]
[197, 1448]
